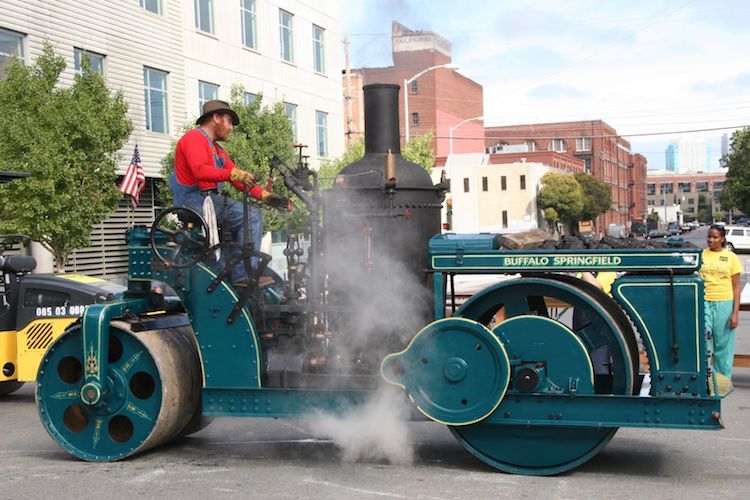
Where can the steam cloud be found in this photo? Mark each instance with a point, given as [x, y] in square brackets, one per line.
[377, 431]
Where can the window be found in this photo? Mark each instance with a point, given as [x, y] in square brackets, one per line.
[155, 90]
[650, 188]
[738, 232]
[152, 6]
[701, 187]
[557, 145]
[249, 98]
[583, 144]
[95, 60]
[587, 165]
[319, 61]
[531, 146]
[466, 184]
[413, 87]
[505, 219]
[11, 44]
[665, 188]
[291, 113]
[415, 119]
[249, 29]
[204, 15]
[523, 182]
[691, 201]
[683, 187]
[206, 92]
[321, 122]
[286, 35]
[503, 183]
[484, 183]
[718, 185]
[37, 297]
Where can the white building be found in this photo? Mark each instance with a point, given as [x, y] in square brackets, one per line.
[685, 156]
[495, 198]
[170, 56]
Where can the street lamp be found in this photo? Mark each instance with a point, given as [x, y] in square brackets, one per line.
[450, 131]
[406, 93]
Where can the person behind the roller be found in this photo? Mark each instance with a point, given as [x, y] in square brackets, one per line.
[200, 168]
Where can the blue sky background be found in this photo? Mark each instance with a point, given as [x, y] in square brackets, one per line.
[641, 66]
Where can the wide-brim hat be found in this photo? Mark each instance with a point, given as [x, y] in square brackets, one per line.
[217, 106]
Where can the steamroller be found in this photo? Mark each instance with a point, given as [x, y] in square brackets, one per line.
[532, 375]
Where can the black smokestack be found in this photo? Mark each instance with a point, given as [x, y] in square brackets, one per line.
[381, 118]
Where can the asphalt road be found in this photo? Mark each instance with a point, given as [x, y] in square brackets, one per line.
[247, 458]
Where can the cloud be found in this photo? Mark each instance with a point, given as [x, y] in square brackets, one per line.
[737, 84]
[555, 90]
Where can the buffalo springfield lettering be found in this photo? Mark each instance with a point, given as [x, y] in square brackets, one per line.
[562, 261]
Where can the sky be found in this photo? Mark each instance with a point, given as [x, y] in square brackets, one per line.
[642, 66]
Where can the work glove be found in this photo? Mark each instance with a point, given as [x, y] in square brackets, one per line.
[243, 176]
[280, 203]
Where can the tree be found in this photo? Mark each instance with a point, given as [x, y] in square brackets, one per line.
[552, 218]
[562, 193]
[418, 150]
[264, 131]
[736, 192]
[703, 215]
[597, 196]
[653, 220]
[68, 138]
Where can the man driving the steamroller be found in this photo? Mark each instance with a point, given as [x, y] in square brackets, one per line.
[200, 168]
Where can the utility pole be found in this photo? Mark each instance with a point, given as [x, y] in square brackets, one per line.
[348, 94]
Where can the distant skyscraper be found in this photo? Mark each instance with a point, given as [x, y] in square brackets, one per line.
[673, 158]
[688, 156]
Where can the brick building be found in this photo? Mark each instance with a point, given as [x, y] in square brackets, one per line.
[438, 100]
[693, 192]
[605, 155]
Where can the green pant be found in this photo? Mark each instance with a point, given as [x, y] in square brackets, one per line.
[721, 340]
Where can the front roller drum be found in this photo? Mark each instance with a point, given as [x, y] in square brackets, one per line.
[152, 392]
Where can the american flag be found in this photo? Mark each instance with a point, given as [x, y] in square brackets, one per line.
[134, 180]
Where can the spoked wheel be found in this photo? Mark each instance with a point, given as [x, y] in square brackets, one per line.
[179, 237]
[152, 392]
[9, 387]
[604, 344]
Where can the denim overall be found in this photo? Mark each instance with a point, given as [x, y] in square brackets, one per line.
[229, 214]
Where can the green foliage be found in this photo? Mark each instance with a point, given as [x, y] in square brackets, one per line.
[703, 215]
[418, 150]
[597, 196]
[330, 169]
[68, 139]
[562, 193]
[551, 216]
[264, 131]
[653, 217]
[736, 192]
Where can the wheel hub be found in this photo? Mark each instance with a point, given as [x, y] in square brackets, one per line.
[455, 370]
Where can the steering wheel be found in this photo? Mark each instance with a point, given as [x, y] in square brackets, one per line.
[179, 237]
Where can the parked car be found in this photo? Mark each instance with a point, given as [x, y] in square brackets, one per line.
[673, 229]
[738, 237]
[656, 233]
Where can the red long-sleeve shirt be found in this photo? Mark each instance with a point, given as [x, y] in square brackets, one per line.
[194, 164]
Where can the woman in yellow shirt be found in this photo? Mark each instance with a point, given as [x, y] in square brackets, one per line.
[721, 276]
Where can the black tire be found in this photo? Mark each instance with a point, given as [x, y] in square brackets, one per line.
[729, 246]
[9, 387]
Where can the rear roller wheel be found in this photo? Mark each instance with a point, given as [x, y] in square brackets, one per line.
[152, 392]
[608, 347]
